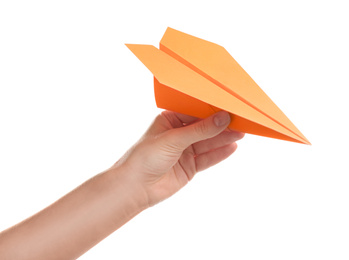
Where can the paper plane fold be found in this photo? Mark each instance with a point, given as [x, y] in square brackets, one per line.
[198, 78]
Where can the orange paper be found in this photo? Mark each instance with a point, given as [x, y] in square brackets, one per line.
[198, 78]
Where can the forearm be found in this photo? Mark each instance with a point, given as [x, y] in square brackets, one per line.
[73, 224]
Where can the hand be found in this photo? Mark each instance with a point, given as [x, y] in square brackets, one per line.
[174, 149]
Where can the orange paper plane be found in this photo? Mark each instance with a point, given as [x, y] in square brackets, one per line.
[198, 78]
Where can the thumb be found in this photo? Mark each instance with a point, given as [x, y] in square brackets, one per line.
[209, 127]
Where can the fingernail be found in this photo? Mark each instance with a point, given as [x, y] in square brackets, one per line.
[221, 118]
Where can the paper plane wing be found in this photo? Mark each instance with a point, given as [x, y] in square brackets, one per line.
[196, 77]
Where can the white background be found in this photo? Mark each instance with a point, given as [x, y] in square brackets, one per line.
[73, 99]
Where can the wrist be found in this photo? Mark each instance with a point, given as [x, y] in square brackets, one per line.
[127, 188]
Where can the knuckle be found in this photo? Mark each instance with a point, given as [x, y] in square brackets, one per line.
[173, 142]
[201, 128]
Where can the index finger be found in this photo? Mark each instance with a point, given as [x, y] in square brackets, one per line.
[180, 118]
[186, 119]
